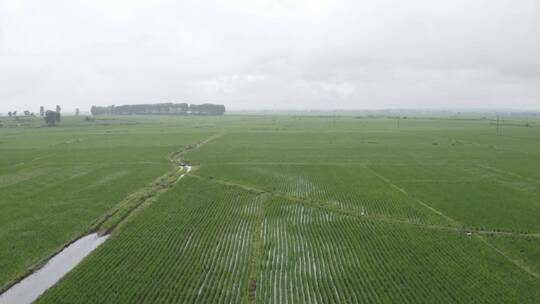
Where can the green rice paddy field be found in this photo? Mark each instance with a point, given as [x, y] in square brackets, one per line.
[277, 209]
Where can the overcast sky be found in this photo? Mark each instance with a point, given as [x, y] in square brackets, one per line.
[275, 54]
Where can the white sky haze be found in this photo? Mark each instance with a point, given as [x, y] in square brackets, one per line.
[248, 54]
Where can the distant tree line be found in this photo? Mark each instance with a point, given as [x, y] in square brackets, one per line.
[52, 117]
[26, 113]
[160, 109]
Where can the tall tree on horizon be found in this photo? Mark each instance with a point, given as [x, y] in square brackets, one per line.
[52, 117]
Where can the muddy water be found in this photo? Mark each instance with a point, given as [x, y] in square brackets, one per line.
[31, 287]
[187, 168]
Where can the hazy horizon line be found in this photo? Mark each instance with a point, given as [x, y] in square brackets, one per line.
[343, 109]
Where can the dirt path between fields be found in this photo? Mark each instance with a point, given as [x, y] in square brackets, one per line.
[150, 193]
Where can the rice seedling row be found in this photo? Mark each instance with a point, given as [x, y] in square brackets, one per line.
[312, 256]
[190, 246]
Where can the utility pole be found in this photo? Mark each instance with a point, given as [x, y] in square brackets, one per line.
[498, 127]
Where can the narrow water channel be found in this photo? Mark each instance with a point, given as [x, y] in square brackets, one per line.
[30, 288]
[34, 285]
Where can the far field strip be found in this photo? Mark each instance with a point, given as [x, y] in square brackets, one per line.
[506, 172]
[479, 234]
[386, 219]
[501, 148]
[389, 182]
[513, 261]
